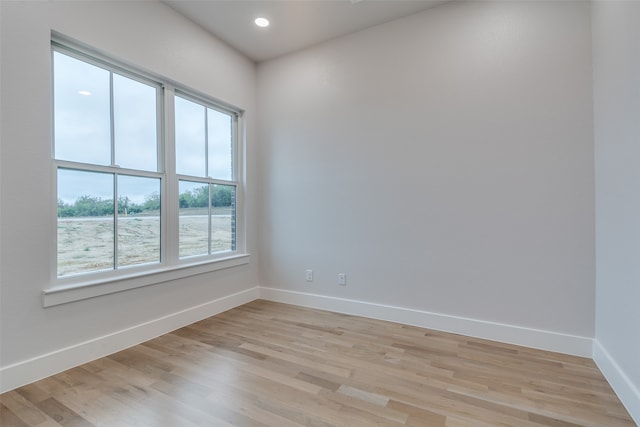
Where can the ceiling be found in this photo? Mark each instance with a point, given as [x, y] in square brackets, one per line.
[295, 24]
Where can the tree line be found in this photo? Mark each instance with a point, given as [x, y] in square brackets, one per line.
[221, 196]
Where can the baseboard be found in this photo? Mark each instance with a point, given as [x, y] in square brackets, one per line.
[627, 392]
[39, 367]
[534, 338]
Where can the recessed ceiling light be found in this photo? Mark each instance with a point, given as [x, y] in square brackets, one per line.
[262, 22]
[84, 92]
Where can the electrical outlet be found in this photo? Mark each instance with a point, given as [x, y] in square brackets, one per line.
[308, 274]
[342, 279]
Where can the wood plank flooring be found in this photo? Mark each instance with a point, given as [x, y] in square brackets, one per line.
[270, 364]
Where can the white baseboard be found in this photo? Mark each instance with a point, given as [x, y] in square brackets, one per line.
[627, 392]
[534, 338]
[39, 367]
[45, 365]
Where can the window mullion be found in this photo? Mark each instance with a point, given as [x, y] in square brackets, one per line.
[206, 143]
[169, 199]
[112, 127]
[161, 133]
[210, 211]
[115, 221]
[206, 173]
[112, 121]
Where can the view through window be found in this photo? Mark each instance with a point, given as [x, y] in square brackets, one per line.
[204, 164]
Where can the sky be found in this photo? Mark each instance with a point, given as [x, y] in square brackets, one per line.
[82, 108]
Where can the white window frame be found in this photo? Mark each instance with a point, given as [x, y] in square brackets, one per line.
[170, 267]
[234, 181]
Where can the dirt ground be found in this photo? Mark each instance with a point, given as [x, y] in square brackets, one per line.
[86, 244]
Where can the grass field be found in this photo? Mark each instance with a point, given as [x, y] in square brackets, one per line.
[87, 244]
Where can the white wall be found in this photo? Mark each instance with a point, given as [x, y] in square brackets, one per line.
[443, 161]
[616, 65]
[155, 38]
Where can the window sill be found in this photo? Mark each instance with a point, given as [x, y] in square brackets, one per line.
[93, 288]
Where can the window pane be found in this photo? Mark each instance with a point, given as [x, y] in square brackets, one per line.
[190, 137]
[220, 144]
[85, 221]
[138, 220]
[223, 218]
[82, 111]
[135, 128]
[194, 219]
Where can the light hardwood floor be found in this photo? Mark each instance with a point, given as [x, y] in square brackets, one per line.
[271, 364]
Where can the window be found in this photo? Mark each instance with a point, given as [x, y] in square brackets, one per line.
[106, 150]
[204, 164]
[131, 196]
